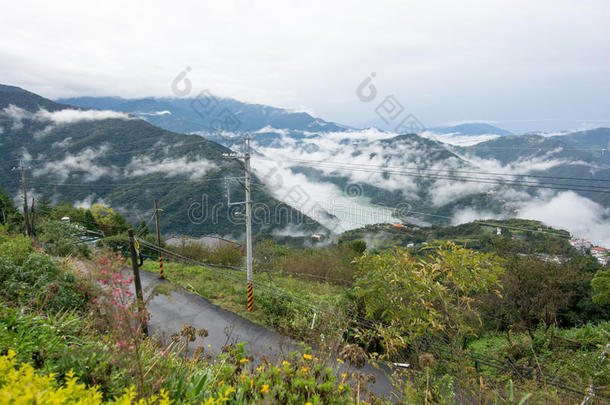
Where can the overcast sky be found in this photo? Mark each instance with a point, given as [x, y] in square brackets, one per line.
[525, 65]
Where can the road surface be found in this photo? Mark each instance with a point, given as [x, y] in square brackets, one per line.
[169, 313]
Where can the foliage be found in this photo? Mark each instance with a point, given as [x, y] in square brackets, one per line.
[109, 221]
[16, 249]
[81, 216]
[578, 355]
[61, 238]
[432, 295]
[227, 254]
[534, 291]
[38, 282]
[601, 287]
[21, 385]
[333, 263]
[9, 215]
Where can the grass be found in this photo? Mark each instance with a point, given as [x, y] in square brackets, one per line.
[575, 354]
[270, 311]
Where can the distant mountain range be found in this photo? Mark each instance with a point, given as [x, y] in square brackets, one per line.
[474, 128]
[86, 156]
[354, 177]
[207, 113]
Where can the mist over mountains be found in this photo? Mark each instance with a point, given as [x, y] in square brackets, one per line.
[449, 174]
[85, 156]
[350, 177]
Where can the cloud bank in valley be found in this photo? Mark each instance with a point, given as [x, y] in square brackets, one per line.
[373, 149]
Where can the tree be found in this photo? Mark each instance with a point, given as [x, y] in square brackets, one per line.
[9, 214]
[110, 221]
[534, 291]
[433, 295]
[601, 287]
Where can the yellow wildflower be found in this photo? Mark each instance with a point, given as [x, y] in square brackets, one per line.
[265, 388]
[341, 387]
[260, 368]
[340, 361]
[304, 369]
[285, 363]
[307, 356]
[343, 375]
[221, 382]
[308, 403]
[244, 360]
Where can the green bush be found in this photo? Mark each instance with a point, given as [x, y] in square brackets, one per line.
[61, 239]
[223, 254]
[16, 249]
[40, 283]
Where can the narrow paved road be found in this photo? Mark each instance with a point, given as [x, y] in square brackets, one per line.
[169, 313]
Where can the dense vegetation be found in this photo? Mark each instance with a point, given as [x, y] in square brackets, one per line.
[476, 326]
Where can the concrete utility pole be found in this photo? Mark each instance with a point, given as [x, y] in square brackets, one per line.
[26, 218]
[161, 272]
[248, 212]
[248, 203]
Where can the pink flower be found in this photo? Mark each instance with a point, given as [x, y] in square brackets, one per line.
[131, 347]
[112, 361]
[94, 300]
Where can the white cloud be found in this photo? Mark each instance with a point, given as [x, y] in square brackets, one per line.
[70, 116]
[57, 118]
[77, 164]
[469, 214]
[88, 201]
[143, 165]
[17, 114]
[457, 139]
[570, 211]
[155, 113]
[443, 60]
[62, 144]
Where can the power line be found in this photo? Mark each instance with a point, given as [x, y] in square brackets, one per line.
[458, 171]
[554, 186]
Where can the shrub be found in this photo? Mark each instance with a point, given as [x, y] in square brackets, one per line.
[61, 238]
[21, 385]
[16, 249]
[601, 287]
[224, 254]
[40, 283]
[434, 295]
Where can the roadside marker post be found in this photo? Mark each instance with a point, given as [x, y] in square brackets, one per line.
[250, 298]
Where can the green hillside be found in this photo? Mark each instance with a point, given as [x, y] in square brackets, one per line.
[73, 155]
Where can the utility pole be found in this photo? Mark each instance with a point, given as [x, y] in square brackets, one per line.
[161, 273]
[248, 224]
[248, 203]
[33, 220]
[137, 282]
[26, 219]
